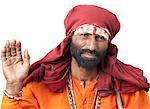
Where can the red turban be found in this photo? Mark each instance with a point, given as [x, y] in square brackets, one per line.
[89, 14]
[53, 69]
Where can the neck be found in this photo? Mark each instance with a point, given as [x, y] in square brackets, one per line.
[83, 74]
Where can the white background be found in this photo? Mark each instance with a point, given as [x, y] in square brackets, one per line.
[38, 24]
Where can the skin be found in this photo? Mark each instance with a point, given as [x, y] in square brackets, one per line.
[91, 42]
[16, 65]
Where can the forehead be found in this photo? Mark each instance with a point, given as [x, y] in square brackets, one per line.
[92, 29]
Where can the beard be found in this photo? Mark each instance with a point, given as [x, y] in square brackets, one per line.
[84, 62]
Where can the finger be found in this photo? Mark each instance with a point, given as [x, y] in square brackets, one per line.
[7, 46]
[13, 48]
[26, 56]
[18, 50]
[3, 54]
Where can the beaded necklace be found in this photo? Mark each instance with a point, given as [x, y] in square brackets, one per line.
[96, 101]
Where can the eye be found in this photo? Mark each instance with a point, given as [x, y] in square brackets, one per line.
[100, 38]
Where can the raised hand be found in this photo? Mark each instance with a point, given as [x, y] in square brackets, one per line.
[15, 66]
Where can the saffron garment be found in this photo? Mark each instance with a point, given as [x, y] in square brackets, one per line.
[36, 95]
[52, 68]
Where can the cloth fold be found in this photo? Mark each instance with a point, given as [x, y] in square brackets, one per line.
[53, 69]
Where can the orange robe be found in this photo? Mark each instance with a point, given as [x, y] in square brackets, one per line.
[37, 96]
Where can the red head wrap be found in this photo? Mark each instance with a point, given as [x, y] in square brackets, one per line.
[90, 14]
[52, 70]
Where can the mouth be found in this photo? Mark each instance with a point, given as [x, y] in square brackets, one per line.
[88, 55]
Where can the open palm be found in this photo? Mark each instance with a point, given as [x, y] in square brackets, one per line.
[15, 66]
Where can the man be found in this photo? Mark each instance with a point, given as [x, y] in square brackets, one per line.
[82, 72]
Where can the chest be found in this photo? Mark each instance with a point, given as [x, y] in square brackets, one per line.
[83, 97]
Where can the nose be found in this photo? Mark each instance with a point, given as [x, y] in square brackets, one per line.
[92, 44]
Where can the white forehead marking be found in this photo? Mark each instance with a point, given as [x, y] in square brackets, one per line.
[88, 28]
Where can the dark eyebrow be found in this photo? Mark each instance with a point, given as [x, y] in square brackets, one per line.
[86, 33]
[97, 35]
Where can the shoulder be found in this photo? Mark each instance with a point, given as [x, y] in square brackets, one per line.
[136, 100]
[139, 93]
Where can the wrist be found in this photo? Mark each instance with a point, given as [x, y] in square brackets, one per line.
[13, 88]
[15, 97]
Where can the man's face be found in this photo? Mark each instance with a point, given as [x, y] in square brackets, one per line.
[88, 49]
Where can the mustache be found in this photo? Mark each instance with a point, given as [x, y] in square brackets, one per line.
[94, 52]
